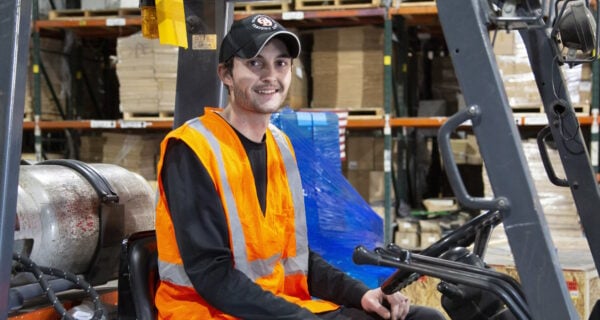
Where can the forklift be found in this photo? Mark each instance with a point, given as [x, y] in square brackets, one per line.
[554, 32]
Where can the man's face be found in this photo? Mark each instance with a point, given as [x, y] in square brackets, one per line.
[260, 84]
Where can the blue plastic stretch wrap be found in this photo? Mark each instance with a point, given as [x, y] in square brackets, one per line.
[338, 218]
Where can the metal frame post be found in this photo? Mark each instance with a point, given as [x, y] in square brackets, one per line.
[198, 84]
[37, 91]
[595, 106]
[15, 18]
[466, 34]
[387, 129]
[566, 133]
[402, 194]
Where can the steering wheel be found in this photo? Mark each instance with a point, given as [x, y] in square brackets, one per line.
[467, 234]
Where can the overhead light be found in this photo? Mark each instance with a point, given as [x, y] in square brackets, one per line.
[574, 31]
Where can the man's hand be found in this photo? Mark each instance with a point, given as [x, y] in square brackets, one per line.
[372, 301]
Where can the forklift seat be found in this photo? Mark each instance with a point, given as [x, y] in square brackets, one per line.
[138, 276]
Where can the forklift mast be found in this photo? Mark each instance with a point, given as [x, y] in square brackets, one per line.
[15, 18]
[198, 85]
[465, 24]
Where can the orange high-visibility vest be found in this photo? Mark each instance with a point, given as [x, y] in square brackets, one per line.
[271, 249]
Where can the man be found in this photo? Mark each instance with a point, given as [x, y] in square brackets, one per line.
[230, 222]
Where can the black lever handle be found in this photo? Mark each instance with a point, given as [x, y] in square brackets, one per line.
[471, 113]
[541, 138]
[362, 255]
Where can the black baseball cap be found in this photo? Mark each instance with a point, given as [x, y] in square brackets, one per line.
[248, 36]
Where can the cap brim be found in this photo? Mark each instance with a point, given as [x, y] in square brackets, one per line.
[290, 40]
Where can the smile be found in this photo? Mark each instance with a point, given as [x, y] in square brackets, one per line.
[267, 91]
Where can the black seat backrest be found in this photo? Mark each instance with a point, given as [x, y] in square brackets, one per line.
[138, 276]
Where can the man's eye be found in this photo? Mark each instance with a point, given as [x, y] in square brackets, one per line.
[254, 63]
[282, 63]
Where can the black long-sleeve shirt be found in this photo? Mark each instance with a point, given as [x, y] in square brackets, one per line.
[202, 237]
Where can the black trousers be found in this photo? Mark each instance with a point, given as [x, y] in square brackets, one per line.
[415, 313]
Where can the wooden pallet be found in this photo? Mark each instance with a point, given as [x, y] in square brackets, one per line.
[29, 116]
[365, 113]
[83, 14]
[335, 4]
[580, 110]
[262, 7]
[148, 116]
[411, 3]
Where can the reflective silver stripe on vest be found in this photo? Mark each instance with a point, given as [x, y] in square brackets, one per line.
[255, 269]
[173, 273]
[299, 263]
[237, 234]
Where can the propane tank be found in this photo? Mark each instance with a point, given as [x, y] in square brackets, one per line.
[59, 213]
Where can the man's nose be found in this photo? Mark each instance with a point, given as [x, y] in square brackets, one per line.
[269, 71]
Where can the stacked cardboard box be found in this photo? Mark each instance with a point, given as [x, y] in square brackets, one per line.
[147, 74]
[519, 81]
[55, 65]
[415, 234]
[136, 152]
[515, 70]
[557, 202]
[347, 68]
[430, 232]
[108, 4]
[91, 148]
[297, 97]
[466, 151]
[585, 86]
[577, 266]
[407, 235]
[364, 167]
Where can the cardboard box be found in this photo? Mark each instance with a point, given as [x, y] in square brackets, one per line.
[100, 4]
[378, 152]
[407, 225]
[297, 97]
[430, 226]
[581, 276]
[466, 151]
[508, 43]
[585, 92]
[586, 72]
[369, 184]
[429, 238]
[376, 186]
[359, 179]
[575, 260]
[346, 68]
[437, 205]
[407, 240]
[360, 152]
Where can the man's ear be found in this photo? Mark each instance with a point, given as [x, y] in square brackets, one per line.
[225, 75]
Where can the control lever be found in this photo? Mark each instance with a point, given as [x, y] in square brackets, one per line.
[394, 253]
[464, 236]
[453, 272]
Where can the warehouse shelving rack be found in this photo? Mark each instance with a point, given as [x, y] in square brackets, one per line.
[413, 13]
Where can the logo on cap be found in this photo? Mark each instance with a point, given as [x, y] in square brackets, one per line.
[264, 23]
